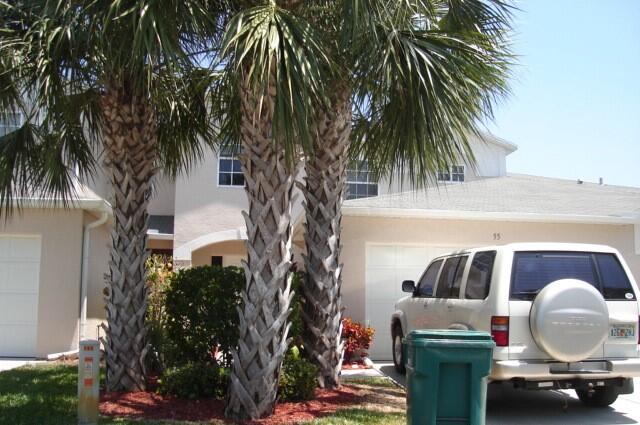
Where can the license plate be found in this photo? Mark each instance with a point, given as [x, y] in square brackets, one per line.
[622, 331]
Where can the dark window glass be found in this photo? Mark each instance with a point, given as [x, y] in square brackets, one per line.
[372, 190]
[216, 260]
[224, 179]
[237, 179]
[237, 167]
[457, 280]
[479, 278]
[225, 165]
[445, 281]
[615, 283]
[532, 271]
[428, 279]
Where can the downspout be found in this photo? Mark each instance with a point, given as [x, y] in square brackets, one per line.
[86, 243]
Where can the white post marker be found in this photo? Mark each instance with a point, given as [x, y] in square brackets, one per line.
[88, 382]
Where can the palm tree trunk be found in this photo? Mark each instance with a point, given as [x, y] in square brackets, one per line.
[129, 135]
[323, 191]
[263, 318]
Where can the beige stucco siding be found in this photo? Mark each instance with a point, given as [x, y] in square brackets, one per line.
[58, 298]
[358, 231]
[232, 252]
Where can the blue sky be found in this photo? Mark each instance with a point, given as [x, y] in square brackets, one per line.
[575, 108]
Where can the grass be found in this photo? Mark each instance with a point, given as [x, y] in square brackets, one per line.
[46, 395]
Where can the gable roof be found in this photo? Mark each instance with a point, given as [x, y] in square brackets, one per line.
[515, 197]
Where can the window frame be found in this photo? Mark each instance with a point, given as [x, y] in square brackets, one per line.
[449, 172]
[3, 125]
[368, 183]
[233, 157]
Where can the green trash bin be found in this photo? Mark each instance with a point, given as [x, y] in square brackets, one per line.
[447, 376]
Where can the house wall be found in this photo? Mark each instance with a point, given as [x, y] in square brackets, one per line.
[98, 270]
[203, 207]
[232, 253]
[163, 199]
[357, 231]
[58, 300]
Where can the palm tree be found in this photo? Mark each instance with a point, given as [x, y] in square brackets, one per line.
[267, 106]
[422, 75]
[115, 76]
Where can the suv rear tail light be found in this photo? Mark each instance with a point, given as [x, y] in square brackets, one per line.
[500, 330]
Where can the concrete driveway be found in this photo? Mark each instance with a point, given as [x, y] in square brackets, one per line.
[506, 406]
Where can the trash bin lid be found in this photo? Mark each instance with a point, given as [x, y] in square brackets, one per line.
[450, 335]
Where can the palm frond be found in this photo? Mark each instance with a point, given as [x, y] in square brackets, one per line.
[268, 46]
[421, 90]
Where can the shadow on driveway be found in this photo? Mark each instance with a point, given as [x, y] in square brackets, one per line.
[507, 406]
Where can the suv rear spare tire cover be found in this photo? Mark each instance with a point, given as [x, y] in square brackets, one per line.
[569, 320]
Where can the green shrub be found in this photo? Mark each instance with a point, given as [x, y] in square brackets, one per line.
[195, 380]
[297, 378]
[202, 317]
[295, 318]
[158, 279]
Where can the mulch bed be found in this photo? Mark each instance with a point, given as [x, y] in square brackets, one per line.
[153, 406]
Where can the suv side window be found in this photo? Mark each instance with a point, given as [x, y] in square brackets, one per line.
[457, 280]
[428, 280]
[614, 281]
[446, 277]
[479, 278]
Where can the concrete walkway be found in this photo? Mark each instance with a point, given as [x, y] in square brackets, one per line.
[506, 406]
[8, 364]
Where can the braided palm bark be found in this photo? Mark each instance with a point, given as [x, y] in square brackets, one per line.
[263, 318]
[129, 134]
[323, 191]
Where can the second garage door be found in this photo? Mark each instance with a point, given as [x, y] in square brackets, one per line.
[386, 267]
[19, 285]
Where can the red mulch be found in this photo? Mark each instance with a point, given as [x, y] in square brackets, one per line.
[356, 365]
[148, 405]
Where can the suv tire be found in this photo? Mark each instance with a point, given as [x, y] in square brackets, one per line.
[600, 397]
[396, 349]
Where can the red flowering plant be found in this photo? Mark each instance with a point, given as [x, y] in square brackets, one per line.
[357, 339]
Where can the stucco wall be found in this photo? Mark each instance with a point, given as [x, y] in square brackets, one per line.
[58, 299]
[232, 253]
[98, 268]
[357, 231]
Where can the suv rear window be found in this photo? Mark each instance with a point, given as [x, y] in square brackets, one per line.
[532, 271]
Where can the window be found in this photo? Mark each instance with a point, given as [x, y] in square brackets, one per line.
[216, 260]
[229, 169]
[453, 174]
[9, 121]
[479, 279]
[428, 279]
[532, 271]
[614, 281]
[457, 280]
[445, 283]
[361, 182]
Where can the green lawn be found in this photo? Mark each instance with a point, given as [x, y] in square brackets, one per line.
[46, 395]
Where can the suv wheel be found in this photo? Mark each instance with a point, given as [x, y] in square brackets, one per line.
[398, 353]
[600, 397]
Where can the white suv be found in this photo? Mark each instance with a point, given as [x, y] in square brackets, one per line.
[561, 315]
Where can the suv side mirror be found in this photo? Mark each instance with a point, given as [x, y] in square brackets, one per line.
[409, 286]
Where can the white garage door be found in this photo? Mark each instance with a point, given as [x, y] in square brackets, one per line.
[386, 267]
[19, 282]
